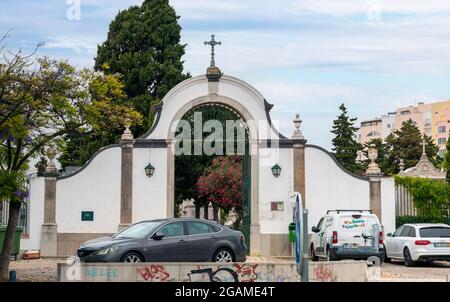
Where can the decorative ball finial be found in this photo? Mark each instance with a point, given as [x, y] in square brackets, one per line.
[297, 124]
[373, 156]
[402, 165]
[127, 135]
[51, 154]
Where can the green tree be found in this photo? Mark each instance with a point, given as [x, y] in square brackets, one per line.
[143, 45]
[345, 147]
[447, 159]
[41, 100]
[406, 144]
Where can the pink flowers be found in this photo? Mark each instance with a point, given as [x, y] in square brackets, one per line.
[221, 184]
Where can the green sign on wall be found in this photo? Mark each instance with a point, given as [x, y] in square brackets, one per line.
[87, 216]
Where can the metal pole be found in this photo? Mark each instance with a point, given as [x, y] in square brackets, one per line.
[305, 258]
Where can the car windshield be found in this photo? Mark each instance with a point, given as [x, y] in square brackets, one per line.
[139, 230]
[435, 232]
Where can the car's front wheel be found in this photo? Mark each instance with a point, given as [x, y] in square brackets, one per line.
[223, 255]
[407, 258]
[132, 258]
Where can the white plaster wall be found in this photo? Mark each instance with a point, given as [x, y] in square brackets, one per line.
[388, 204]
[149, 194]
[197, 87]
[328, 187]
[275, 189]
[36, 214]
[96, 188]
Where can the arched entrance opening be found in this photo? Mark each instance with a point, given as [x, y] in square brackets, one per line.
[212, 165]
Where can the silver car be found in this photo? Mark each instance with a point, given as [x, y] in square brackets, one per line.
[419, 242]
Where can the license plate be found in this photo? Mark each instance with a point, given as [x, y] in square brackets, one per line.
[351, 245]
[443, 244]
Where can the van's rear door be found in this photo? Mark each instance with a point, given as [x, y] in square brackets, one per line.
[358, 230]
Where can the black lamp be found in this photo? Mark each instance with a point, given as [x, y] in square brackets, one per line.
[276, 170]
[149, 170]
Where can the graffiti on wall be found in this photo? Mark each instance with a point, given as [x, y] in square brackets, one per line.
[154, 273]
[324, 273]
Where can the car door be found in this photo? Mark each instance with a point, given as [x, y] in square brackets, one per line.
[391, 242]
[170, 248]
[400, 243]
[202, 241]
[317, 238]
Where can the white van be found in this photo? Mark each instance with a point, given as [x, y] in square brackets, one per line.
[347, 234]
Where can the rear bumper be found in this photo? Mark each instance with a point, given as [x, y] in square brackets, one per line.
[434, 258]
[361, 253]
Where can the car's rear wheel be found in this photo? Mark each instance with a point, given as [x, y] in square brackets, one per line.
[223, 255]
[313, 254]
[407, 258]
[330, 255]
[132, 258]
[385, 256]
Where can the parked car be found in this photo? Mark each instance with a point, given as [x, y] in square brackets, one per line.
[347, 234]
[168, 240]
[419, 242]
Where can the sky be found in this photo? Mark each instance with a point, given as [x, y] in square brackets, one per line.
[304, 56]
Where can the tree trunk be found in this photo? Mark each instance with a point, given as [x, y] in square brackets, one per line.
[13, 219]
[205, 210]
[197, 211]
[216, 213]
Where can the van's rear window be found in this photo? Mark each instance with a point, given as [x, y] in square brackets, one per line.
[361, 224]
[435, 232]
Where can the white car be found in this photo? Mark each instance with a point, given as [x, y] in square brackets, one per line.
[347, 234]
[419, 242]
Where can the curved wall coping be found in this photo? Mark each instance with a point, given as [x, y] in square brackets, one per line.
[364, 178]
[89, 161]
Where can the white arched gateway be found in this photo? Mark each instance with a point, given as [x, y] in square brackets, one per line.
[112, 190]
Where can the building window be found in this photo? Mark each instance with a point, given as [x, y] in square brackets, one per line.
[442, 141]
[373, 133]
[405, 112]
[389, 126]
[442, 129]
[441, 153]
[427, 123]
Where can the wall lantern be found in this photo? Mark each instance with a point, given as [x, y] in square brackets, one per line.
[276, 170]
[149, 170]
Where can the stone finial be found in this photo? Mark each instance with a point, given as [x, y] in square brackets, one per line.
[51, 154]
[402, 165]
[297, 124]
[127, 135]
[359, 156]
[373, 155]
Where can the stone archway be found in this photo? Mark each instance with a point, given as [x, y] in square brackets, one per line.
[254, 163]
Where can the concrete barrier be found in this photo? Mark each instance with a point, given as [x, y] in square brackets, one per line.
[346, 271]
[338, 271]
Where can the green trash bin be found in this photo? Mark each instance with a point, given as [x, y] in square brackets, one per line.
[16, 241]
[292, 232]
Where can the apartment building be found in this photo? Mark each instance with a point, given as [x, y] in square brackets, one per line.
[432, 119]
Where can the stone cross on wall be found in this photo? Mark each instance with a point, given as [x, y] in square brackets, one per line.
[424, 144]
[213, 43]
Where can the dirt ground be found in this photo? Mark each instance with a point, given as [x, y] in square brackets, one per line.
[44, 270]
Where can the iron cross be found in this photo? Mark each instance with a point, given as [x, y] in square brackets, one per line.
[213, 43]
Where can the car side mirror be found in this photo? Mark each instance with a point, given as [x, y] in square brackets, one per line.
[158, 236]
[315, 229]
[389, 234]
